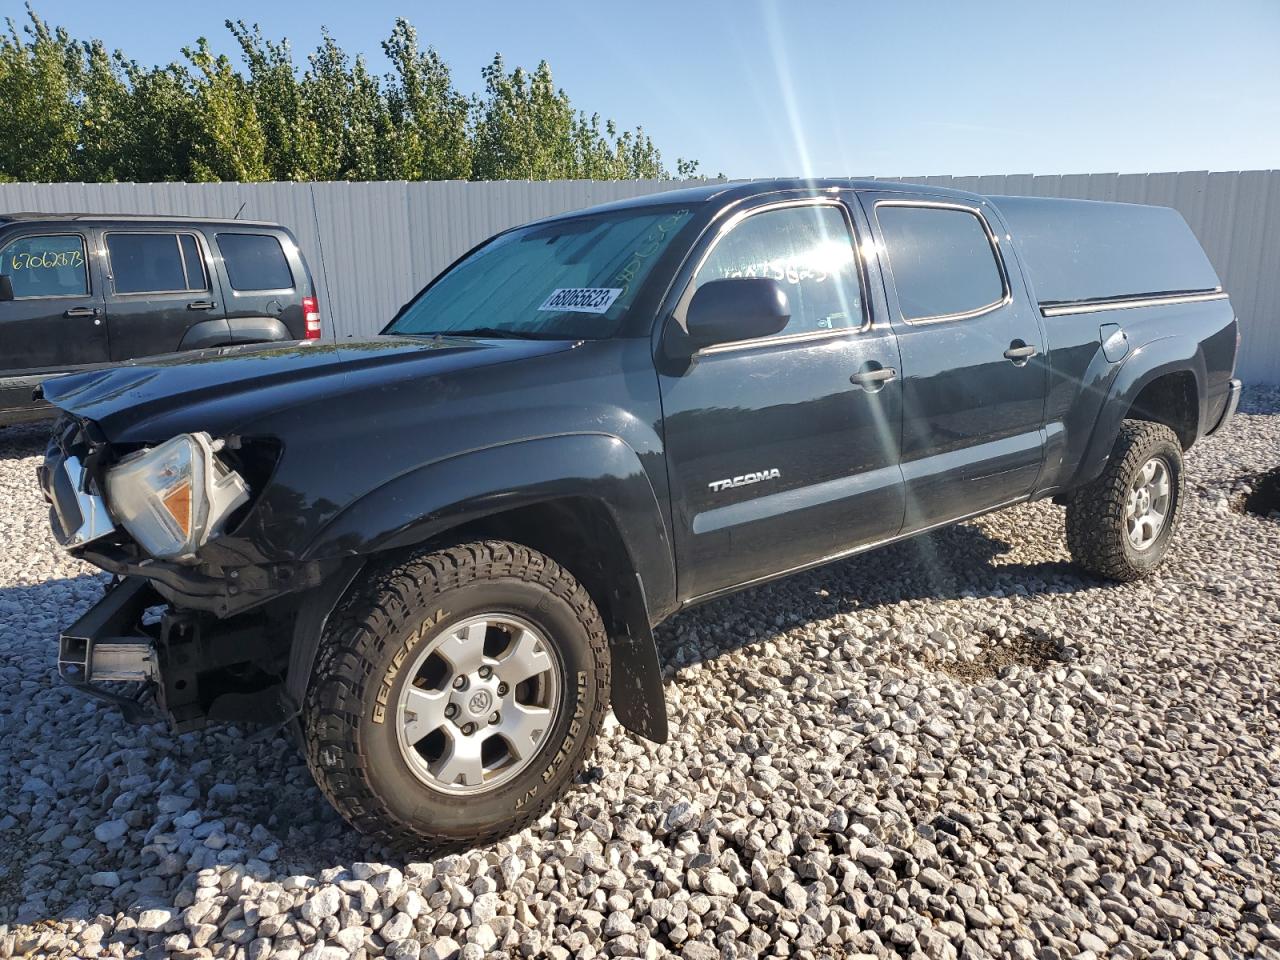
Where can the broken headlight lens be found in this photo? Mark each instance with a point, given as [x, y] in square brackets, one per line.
[176, 496]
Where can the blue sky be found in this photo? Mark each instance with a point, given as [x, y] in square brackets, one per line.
[754, 88]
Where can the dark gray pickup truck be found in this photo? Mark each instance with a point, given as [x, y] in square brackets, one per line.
[442, 550]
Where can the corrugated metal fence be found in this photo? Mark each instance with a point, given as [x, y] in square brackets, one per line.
[371, 245]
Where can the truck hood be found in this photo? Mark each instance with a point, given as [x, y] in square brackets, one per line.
[226, 386]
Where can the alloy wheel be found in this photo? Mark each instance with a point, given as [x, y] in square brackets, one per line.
[479, 703]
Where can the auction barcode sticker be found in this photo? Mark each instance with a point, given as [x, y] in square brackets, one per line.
[581, 299]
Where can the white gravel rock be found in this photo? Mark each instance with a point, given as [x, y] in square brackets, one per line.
[322, 905]
[154, 920]
[954, 748]
[443, 948]
[403, 950]
[398, 927]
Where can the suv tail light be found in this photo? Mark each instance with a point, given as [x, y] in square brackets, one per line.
[311, 311]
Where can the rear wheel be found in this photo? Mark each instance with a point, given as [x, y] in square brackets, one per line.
[456, 696]
[1121, 525]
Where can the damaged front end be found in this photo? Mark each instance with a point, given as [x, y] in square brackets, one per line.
[166, 501]
[208, 628]
[199, 668]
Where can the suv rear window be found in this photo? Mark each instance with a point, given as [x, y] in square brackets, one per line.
[155, 263]
[941, 259]
[255, 261]
[48, 266]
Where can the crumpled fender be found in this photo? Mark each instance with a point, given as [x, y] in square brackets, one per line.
[431, 499]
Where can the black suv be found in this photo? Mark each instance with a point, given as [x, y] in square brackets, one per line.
[591, 422]
[79, 291]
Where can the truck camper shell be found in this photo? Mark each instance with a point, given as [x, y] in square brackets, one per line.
[1089, 254]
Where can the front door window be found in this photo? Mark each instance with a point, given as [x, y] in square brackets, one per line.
[808, 249]
[53, 265]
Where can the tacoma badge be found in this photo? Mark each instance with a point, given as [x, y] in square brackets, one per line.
[742, 481]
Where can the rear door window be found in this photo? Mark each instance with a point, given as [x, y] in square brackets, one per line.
[53, 265]
[155, 263]
[942, 259]
[255, 261]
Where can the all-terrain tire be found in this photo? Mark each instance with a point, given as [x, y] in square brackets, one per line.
[1096, 530]
[362, 664]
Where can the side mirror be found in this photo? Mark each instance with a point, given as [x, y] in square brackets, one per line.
[6, 287]
[739, 308]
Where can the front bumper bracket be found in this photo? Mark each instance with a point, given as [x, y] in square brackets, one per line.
[104, 645]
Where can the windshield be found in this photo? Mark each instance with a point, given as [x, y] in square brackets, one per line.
[572, 279]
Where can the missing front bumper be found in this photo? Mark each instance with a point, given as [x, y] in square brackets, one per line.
[200, 668]
[107, 645]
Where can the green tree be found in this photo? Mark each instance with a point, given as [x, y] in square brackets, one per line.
[688, 170]
[162, 121]
[429, 118]
[280, 102]
[39, 87]
[524, 126]
[75, 111]
[231, 144]
[527, 128]
[351, 116]
[104, 114]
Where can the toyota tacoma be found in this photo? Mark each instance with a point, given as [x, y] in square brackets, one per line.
[440, 553]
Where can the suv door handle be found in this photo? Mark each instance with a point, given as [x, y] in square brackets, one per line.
[81, 312]
[1019, 351]
[201, 305]
[873, 379]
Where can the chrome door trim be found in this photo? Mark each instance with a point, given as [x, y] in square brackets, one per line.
[1128, 303]
[780, 340]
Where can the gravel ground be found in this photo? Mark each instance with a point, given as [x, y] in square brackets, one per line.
[954, 747]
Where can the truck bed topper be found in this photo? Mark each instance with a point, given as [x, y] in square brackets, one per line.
[1089, 252]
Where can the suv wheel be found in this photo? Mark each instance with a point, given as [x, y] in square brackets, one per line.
[455, 696]
[1120, 526]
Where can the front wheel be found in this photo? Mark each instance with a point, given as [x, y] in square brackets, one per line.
[455, 696]
[1121, 525]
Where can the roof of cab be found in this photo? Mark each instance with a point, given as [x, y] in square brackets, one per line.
[726, 192]
[31, 216]
[1075, 250]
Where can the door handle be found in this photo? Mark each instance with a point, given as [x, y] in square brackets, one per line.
[201, 305]
[81, 312]
[873, 379]
[1020, 352]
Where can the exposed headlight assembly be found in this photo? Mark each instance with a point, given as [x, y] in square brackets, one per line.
[173, 498]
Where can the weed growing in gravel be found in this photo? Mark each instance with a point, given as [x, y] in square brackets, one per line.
[995, 653]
